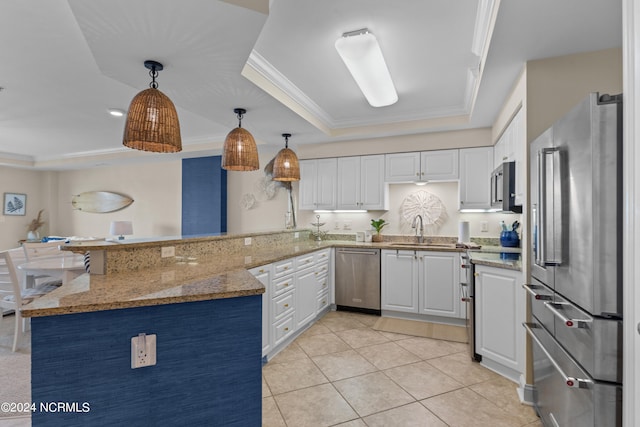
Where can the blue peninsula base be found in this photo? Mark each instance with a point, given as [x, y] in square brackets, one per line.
[208, 369]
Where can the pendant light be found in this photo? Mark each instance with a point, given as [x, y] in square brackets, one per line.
[240, 152]
[152, 122]
[286, 166]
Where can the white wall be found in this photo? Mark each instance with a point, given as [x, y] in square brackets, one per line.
[23, 181]
[156, 189]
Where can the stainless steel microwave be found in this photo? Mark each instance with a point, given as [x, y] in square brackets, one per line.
[503, 188]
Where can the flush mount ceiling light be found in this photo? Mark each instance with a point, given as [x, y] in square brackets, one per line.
[152, 121]
[361, 54]
[240, 152]
[286, 166]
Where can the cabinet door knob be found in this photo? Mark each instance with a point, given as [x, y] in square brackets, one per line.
[286, 305]
[476, 274]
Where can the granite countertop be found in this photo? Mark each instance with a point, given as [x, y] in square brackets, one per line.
[508, 258]
[187, 279]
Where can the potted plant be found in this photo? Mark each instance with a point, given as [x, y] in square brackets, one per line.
[377, 225]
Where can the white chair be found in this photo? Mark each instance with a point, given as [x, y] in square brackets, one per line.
[34, 250]
[12, 297]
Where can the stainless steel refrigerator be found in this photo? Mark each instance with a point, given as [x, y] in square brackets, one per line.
[576, 210]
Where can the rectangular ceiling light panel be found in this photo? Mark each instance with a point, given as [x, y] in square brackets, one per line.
[361, 54]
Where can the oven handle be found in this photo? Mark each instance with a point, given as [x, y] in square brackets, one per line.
[553, 307]
[529, 288]
[571, 382]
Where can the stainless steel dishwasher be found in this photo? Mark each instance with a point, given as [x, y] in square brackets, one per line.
[358, 280]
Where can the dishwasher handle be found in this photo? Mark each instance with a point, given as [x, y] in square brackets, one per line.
[356, 252]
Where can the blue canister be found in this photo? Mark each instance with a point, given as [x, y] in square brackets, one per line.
[509, 239]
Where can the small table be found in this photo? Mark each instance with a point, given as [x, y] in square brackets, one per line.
[66, 267]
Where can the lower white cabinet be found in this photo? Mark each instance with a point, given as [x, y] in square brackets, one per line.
[439, 278]
[264, 275]
[399, 281]
[297, 290]
[424, 282]
[500, 302]
[306, 296]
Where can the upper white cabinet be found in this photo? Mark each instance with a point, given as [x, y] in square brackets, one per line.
[510, 148]
[361, 183]
[439, 165]
[318, 184]
[476, 165]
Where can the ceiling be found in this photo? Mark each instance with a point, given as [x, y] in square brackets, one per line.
[64, 63]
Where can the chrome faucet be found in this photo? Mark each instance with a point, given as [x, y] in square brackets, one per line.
[414, 225]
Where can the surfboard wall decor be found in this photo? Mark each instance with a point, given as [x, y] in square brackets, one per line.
[100, 201]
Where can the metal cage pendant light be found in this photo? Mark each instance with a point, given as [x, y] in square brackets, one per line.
[286, 166]
[240, 152]
[152, 121]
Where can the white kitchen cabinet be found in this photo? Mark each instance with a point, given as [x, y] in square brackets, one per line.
[439, 283]
[476, 165]
[361, 183]
[500, 302]
[510, 147]
[318, 184]
[399, 281]
[263, 274]
[306, 289]
[424, 282]
[438, 165]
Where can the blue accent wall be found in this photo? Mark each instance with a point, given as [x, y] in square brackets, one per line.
[204, 196]
[208, 368]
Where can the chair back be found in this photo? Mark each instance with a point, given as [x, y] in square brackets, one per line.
[9, 282]
[34, 250]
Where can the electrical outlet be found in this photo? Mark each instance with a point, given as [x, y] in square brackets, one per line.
[143, 351]
[347, 225]
[296, 235]
[337, 226]
[247, 241]
[484, 226]
[168, 251]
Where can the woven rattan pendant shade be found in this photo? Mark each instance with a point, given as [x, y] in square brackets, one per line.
[286, 166]
[152, 123]
[240, 152]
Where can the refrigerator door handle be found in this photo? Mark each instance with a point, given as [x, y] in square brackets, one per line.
[555, 307]
[549, 234]
[569, 381]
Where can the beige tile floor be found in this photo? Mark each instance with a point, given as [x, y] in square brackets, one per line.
[341, 372]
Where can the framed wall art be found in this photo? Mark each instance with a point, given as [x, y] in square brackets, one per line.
[15, 204]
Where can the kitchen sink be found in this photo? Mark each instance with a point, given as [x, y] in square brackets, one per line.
[430, 245]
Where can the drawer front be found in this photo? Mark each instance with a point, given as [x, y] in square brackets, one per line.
[323, 283]
[597, 404]
[282, 305]
[282, 285]
[283, 267]
[323, 255]
[283, 329]
[323, 301]
[322, 268]
[595, 343]
[305, 261]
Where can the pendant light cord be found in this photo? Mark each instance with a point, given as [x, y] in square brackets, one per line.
[153, 73]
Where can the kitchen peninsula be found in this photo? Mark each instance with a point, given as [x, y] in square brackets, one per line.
[200, 301]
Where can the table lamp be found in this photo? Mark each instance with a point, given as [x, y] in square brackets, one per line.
[121, 229]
